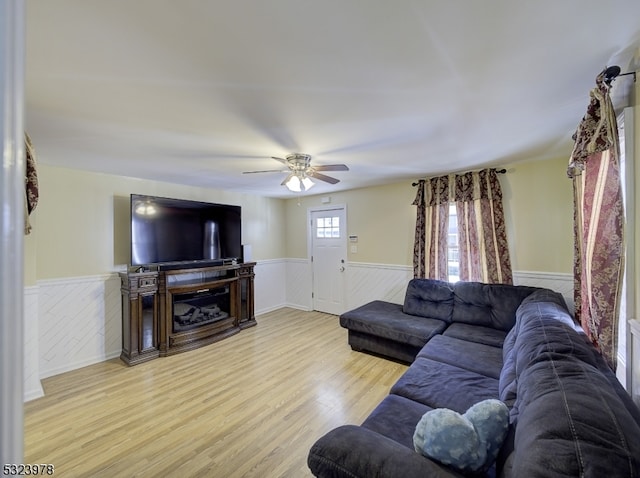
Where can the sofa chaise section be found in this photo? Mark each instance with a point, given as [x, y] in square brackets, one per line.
[383, 328]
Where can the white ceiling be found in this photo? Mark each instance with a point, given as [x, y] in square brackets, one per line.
[197, 91]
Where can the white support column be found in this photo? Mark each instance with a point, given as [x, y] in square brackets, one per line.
[12, 31]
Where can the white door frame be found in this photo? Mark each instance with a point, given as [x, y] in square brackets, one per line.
[310, 211]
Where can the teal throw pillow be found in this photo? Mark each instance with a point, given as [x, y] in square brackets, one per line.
[469, 442]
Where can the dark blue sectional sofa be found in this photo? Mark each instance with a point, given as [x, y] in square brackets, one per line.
[468, 342]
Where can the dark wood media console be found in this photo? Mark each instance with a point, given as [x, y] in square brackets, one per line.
[170, 311]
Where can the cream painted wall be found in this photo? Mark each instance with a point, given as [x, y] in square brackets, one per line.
[538, 215]
[81, 224]
[538, 207]
[382, 217]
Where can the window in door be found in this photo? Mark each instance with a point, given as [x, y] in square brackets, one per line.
[328, 228]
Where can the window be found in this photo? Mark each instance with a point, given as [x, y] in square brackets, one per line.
[328, 228]
[453, 251]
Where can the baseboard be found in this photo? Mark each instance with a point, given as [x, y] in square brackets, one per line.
[298, 307]
[33, 394]
[80, 364]
[267, 310]
[282, 306]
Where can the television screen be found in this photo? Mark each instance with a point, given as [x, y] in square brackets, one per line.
[165, 230]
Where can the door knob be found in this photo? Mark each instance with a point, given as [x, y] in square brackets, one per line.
[342, 269]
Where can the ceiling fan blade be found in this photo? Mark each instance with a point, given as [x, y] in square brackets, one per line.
[267, 171]
[325, 178]
[283, 161]
[332, 167]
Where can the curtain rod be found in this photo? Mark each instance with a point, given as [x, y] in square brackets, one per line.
[612, 72]
[499, 171]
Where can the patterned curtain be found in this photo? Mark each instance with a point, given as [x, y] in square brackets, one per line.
[437, 226]
[432, 223]
[598, 222]
[482, 237]
[419, 240]
[30, 183]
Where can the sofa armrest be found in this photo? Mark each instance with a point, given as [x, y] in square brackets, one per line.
[351, 451]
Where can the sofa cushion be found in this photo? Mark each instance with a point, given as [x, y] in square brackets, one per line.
[384, 319]
[489, 305]
[483, 359]
[441, 385]
[468, 442]
[429, 298]
[476, 333]
[396, 417]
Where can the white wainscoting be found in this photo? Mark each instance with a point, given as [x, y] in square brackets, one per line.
[367, 282]
[32, 385]
[562, 283]
[299, 284]
[80, 322]
[74, 322]
[364, 282]
[270, 285]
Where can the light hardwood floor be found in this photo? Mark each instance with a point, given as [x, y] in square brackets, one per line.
[248, 406]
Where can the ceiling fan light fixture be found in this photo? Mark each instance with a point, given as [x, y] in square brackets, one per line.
[301, 172]
[298, 184]
[294, 184]
[307, 183]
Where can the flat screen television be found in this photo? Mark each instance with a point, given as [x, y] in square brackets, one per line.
[168, 232]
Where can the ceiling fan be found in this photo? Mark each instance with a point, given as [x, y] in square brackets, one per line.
[300, 172]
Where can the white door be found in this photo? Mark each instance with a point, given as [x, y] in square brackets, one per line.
[328, 259]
